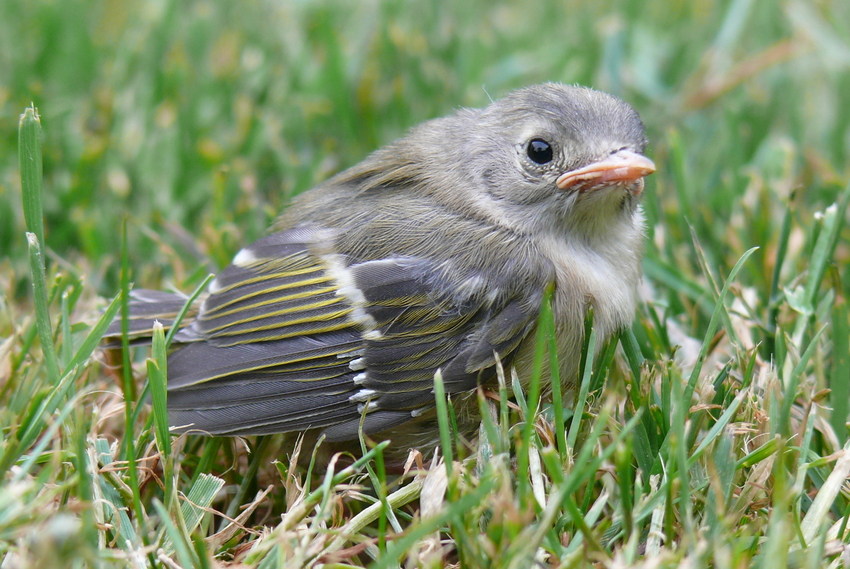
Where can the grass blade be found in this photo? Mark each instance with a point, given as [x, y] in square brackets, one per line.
[30, 163]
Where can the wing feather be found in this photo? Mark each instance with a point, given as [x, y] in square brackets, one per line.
[293, 336]
[202, 362]
[147, 307]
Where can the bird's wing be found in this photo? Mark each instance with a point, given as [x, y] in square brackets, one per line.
[146, 308]
[293, 336]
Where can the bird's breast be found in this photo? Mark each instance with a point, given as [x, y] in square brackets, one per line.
[604, 278]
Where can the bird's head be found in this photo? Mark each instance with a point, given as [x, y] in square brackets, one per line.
[546, 157]
[559, 155]
[549, 156]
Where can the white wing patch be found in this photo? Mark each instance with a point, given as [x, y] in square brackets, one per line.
[348, 289]
[245, 258]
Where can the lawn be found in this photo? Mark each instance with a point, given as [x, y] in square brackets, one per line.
[713, 433]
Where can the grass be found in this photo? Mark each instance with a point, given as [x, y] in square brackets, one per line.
[714, 432]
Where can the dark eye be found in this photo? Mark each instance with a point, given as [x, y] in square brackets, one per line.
[539, 151]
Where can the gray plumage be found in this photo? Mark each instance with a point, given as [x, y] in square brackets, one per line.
[432, 253]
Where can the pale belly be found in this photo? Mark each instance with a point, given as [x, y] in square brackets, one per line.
[605, 280]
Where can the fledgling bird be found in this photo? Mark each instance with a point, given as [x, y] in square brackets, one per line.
[431, 254]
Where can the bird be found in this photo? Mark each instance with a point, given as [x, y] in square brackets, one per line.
[432, 254]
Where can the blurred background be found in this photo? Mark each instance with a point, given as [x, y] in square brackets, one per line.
[197, 120]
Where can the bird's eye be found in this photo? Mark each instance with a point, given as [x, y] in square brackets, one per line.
[539, 151]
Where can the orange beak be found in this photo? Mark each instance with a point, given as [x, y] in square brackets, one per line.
[621, 167]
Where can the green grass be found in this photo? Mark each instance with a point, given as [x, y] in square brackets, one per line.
[713, 433]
